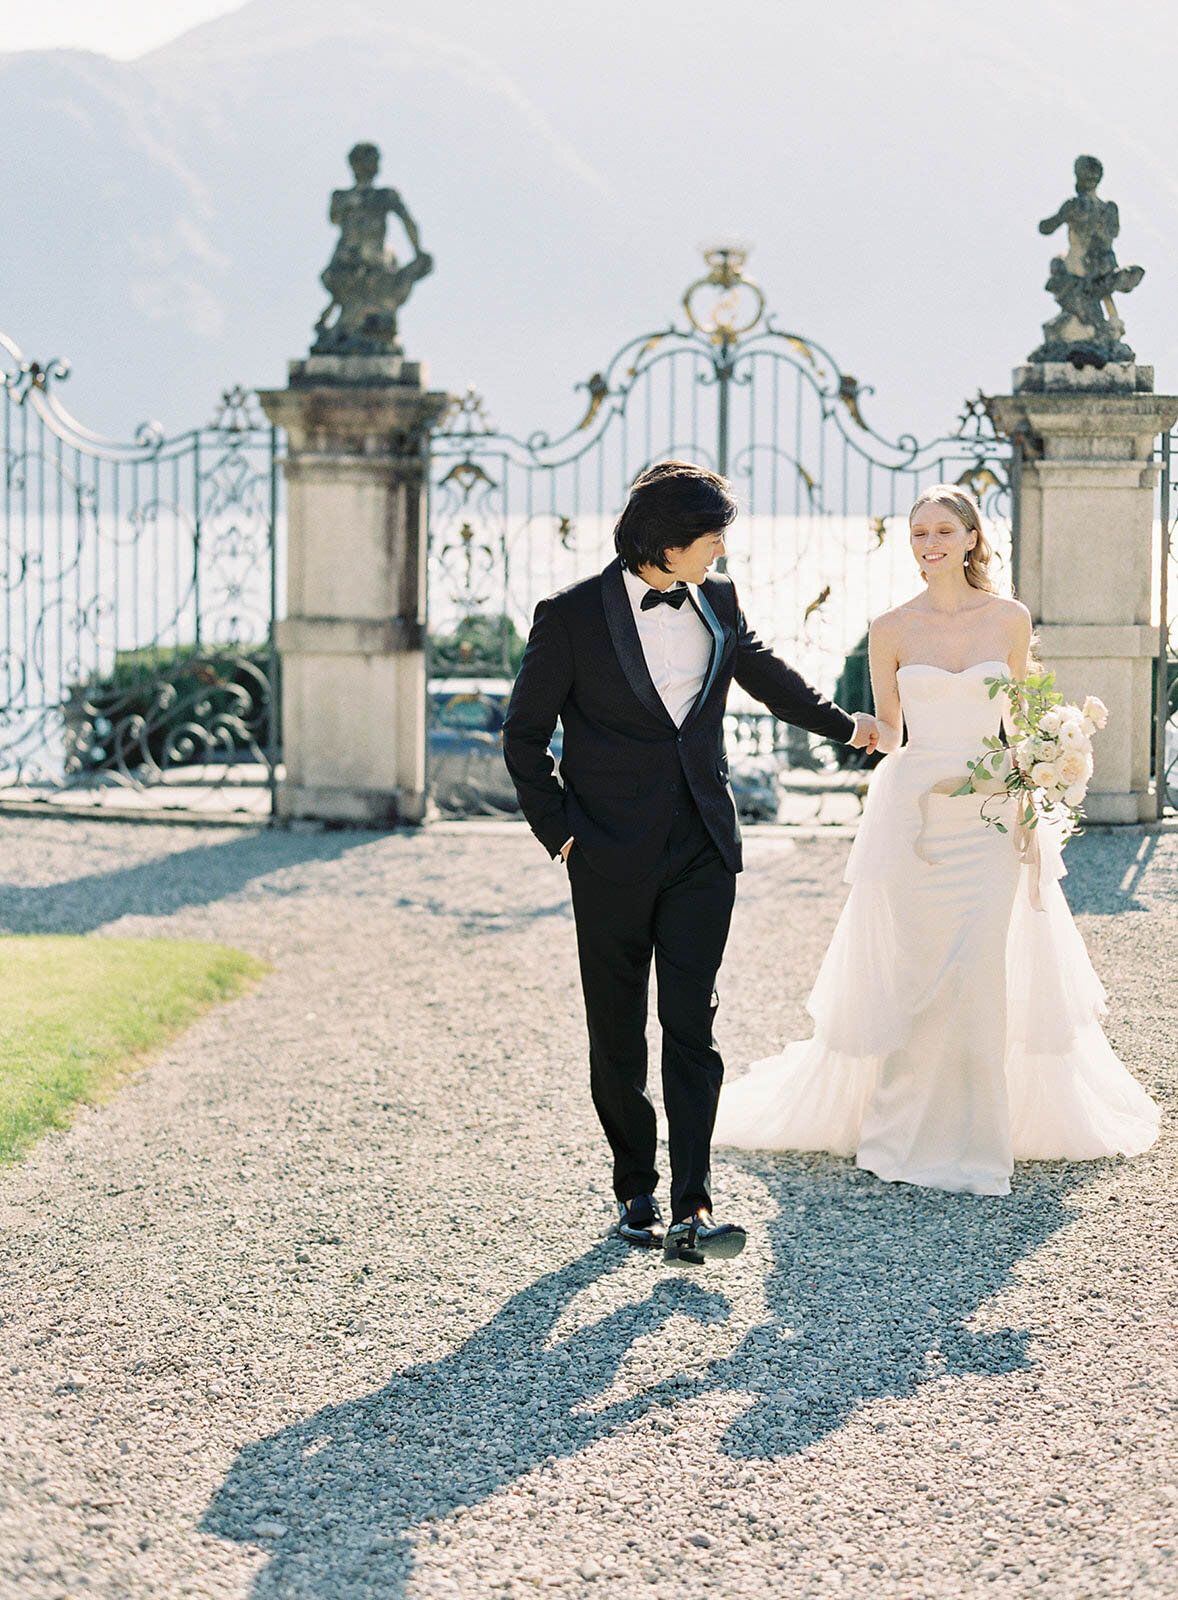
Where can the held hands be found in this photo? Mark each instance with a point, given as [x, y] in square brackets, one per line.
[867, 732]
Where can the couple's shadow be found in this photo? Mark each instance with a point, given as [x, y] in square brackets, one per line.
[867, 1295]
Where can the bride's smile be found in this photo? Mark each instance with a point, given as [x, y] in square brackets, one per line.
[940, 540]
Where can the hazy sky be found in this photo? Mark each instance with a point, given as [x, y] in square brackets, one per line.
[888, 162]
[121, 28]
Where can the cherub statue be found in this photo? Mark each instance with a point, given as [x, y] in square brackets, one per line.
[1087, 331]
[366, 285]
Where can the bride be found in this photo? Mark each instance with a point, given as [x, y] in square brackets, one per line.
[956, 1011]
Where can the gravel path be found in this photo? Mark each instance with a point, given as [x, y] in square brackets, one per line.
[321, 1304]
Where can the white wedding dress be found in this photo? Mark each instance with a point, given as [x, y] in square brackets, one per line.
[957, 1015]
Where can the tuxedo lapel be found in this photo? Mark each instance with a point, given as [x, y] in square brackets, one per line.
[720, 639]
[623, 632]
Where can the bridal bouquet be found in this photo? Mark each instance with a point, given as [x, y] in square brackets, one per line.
[1050, 760]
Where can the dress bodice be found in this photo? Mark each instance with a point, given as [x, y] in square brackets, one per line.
[949, 716]
[950, 711]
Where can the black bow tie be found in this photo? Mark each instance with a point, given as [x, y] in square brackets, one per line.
[664, 597]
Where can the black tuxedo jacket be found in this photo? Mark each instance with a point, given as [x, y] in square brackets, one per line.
[623, 758]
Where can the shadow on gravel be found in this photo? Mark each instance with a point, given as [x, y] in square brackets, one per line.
[868, 1296]
[351, 1484]
[1106, 868]
[212, 872]
[196, 877]
[871, 1290]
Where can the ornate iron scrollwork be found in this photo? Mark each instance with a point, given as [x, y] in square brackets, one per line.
[141, 584]
[733, 389]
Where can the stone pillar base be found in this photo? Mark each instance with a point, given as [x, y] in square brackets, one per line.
[1120, 808]
[358, 808]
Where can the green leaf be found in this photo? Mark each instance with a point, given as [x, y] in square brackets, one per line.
[1002, 828]
[966, 788]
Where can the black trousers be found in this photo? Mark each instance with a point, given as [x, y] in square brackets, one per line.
[679, 913]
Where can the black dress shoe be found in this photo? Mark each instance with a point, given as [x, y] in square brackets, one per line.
[640, 1221]
[699, 1238]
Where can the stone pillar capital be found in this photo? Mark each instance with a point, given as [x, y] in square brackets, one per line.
[371, 421]
[1084, 425]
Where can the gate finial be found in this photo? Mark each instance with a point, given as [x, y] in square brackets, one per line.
[740, 305]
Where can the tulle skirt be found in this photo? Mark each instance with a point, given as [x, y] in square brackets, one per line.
[957, 1015]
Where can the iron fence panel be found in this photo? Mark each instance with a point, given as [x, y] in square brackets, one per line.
[138, 583]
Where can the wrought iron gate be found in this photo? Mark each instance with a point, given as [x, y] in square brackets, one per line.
[820, 547]
[138, 584]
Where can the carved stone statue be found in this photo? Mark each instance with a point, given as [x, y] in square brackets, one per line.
[366, 285]
[1087, 331]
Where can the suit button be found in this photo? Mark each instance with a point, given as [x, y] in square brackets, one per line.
[678, 738]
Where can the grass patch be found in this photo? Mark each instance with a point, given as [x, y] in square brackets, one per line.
[78, 1014]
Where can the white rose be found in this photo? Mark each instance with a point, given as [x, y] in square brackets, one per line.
[1096, 711]
[1073, 737]
[1024, 753]
[1044, 775]
[1074, 794]
[1072, 766]
[1088, 726]
[1044, 749]
[1049, 722]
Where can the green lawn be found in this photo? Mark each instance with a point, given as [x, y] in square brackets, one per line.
[77, 1014]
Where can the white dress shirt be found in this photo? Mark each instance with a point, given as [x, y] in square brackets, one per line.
[677, 645]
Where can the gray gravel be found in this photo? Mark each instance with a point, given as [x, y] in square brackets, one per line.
[321, 1304]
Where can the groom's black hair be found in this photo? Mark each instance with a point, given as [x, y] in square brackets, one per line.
[671, 505]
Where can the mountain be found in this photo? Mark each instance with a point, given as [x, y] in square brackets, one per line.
[167, 216]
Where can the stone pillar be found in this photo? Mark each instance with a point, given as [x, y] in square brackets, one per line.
[1085, 548]
[353, 642]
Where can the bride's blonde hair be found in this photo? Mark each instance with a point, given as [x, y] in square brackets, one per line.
[964, 506]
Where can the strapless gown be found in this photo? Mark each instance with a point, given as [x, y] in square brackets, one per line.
[957, 1015]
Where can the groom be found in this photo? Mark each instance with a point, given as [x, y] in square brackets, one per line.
[636, 663]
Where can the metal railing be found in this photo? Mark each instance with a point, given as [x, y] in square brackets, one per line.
[138, 591]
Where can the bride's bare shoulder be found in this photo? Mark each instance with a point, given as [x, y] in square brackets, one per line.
[1013, 613]
[890, 623]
